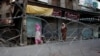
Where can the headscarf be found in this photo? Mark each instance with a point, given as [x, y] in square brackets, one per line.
[63, 25]
[38, 27]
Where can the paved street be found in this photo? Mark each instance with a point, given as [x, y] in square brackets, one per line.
[76, 48]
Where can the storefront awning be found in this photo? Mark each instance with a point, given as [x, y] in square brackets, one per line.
[37, 10]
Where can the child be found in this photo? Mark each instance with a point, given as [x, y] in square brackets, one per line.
[38, 39]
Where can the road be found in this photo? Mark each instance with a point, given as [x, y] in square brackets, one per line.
[76, 48]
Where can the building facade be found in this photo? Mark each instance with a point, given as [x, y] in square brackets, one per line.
[63, 10]
[79, 21]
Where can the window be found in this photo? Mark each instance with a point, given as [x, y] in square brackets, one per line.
[7, 14]
[98, 0]
[69, 4]
[56, 2]
[43, 1]
[46, 1]
[35, 0]
[98, 4]
[12, 0]
[0, 5]
[0, 16]
[1, 0]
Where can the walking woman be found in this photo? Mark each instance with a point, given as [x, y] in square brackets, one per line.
[63, 31]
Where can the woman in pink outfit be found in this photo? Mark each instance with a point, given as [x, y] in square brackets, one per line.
[38, 39]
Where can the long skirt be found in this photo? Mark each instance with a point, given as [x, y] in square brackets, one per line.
[64, 36]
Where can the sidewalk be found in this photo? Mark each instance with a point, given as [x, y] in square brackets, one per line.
[76, 48]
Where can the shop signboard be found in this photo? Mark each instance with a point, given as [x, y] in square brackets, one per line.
[72, 15]
[57, 12]
[67, 14]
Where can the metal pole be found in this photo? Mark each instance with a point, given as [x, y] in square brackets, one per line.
[23, 37]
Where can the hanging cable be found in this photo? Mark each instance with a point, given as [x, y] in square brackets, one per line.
[12, 17]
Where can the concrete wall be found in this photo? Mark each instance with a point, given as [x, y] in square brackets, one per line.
[4, 9]
[70, 4]
[76, 5]
[50, 2]
[62, 3]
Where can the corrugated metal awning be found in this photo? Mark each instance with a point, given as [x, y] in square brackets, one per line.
[90, 20]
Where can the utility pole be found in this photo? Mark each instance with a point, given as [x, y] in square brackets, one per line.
[23, 37]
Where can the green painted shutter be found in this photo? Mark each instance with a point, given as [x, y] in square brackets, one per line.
[30, 25]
